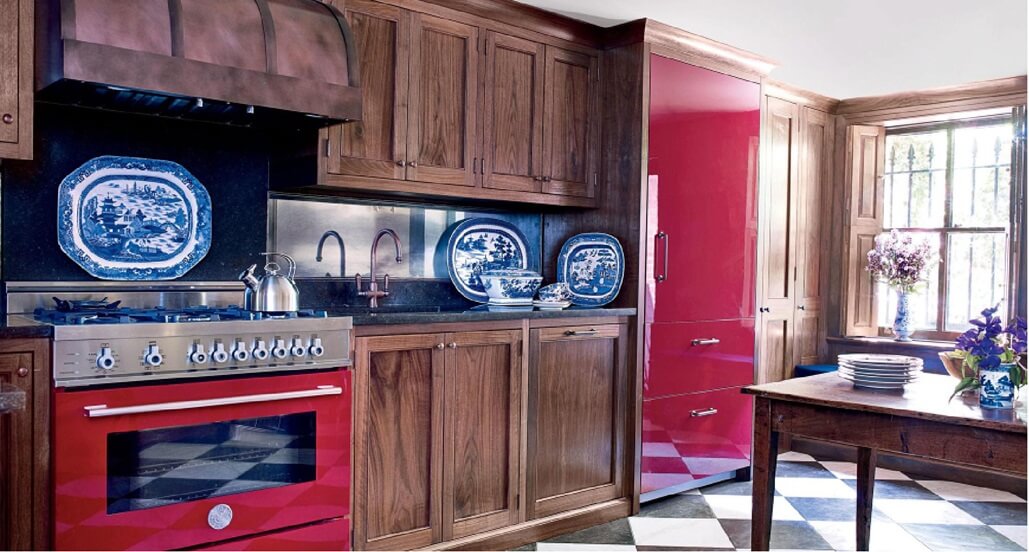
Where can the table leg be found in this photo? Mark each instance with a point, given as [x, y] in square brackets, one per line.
[766, 449]
[865, 490]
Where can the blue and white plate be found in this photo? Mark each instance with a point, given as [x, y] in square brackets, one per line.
[593, 266]
[481, 244]
[129, 218]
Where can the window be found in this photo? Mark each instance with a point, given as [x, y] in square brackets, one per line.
[950, 183]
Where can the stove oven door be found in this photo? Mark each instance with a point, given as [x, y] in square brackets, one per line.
[160, 467]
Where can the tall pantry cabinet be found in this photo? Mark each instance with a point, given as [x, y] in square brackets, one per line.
[699, 325]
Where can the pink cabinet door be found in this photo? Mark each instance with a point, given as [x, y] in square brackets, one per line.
[702, 213]
[691, 437]
[688, 357]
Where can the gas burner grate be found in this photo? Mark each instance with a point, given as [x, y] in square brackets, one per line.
[101, 312]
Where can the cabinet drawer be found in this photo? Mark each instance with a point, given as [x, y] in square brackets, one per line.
[694, 436]
[688, 357]
[330, 535]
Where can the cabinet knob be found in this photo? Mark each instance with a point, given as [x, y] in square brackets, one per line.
[401, 163]
[452, 345]
[801, 307]
[439, 346]
[764, 309]
[412, 164]
[23, 372]
[8, 118]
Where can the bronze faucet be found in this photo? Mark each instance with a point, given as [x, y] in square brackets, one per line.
[342, 251]
[373, 292]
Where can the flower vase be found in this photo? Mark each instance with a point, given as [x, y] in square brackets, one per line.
[996, 389]
[901, 324]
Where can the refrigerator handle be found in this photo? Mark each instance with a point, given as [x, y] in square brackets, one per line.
[664, 259]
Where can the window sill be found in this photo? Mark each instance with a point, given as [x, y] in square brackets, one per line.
[890, 343]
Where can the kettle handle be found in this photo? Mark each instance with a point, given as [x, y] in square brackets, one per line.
[292, 263]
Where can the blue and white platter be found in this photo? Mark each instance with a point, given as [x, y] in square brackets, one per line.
[593, 266]
[129, 218]
[480, 244]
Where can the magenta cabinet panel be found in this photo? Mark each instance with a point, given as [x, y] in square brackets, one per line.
[691, 437]
[688, 357]
[331, 535]
[702, 215]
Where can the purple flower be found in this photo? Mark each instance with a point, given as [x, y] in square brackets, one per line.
[989, 343]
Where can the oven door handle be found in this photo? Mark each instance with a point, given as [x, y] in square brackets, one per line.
[103, 411]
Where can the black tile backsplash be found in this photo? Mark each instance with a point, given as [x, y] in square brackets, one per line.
[231, 162]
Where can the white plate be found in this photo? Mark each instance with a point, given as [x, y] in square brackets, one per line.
[874, 381]
[879, 360]
[853, 377]
[887, 371]
[509, 302]
[552, 304]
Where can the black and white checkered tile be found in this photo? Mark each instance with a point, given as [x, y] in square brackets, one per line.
[814, 510]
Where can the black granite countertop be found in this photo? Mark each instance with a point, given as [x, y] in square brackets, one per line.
[480, 313]
[18, 326]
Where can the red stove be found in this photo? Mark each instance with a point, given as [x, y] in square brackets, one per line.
[198, 427]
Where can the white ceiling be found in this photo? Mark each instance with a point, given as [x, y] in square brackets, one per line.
[845, 48]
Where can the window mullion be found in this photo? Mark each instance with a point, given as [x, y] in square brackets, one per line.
[943, 285]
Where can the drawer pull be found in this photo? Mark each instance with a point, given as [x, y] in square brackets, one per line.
[581, 333]
[706, 341]
[703, 412]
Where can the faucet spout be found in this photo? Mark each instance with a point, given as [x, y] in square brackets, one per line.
[342, 251]
[373, 292]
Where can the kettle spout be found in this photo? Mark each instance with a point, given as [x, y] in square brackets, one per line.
[248, 278]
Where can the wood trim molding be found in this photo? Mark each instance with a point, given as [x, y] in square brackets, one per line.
[691, 48]
[529, 17]
[1007, 92]
[800, 96]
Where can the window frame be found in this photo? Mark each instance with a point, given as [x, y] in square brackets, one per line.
[940, 333]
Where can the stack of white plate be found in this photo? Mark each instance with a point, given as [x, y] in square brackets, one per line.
[879, 371]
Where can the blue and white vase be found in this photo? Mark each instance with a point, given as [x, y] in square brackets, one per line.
[901, 324]
[996, 389]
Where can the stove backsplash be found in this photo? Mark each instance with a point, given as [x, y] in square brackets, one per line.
[231, 162]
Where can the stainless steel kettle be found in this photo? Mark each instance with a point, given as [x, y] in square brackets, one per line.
[273, 292]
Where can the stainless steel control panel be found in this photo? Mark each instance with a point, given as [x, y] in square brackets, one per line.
[101, 354]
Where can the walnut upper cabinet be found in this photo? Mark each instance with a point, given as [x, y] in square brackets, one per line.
[16, 78]
[453, 109]
[437, 437]
[576, 425]
[571, 134]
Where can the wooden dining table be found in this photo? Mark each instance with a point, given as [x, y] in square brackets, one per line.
[919, 422]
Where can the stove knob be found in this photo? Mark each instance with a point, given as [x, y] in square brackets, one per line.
[316, 348]
[219, 354]
[198, 356]
[105, 358]
[279, 349]
[260, 352]
[240, 353]
[298, 349]
[153, 356]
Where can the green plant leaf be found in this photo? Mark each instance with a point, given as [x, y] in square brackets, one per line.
[965, 384]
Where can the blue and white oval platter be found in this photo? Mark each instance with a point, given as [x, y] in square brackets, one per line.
[129, 218]
[480, 244]
[593, 266]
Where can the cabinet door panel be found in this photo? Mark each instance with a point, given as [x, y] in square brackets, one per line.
[483, 421]
[775, 351]
[16, 458]
[571, 123]
[10, 83]
[442, 131]
[690, 437]
[780, 216]
[816, 138]
[398, 452]
[513, 125]
[576, 417]
[703, 167]
[682, 358]
[374, 145]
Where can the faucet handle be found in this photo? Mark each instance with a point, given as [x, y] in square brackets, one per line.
[357, 281]
[385, 283]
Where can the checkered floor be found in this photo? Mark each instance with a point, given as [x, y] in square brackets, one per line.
[814, 510]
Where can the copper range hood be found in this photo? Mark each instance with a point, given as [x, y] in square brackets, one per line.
[248, 62]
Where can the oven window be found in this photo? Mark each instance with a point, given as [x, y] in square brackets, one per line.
[158, 467]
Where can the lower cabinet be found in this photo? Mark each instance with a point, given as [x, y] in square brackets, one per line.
[25, 446]
[690, 437]
[437, 437]
[577, 415]
[328, 535]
